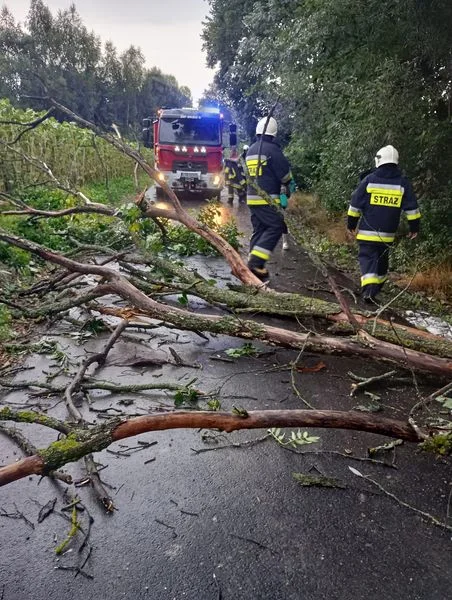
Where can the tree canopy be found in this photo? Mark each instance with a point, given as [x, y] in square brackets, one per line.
[350, 77]
[57, 53]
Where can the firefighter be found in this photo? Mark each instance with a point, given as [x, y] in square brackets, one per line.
[376, 204]
[268, 169]
[234, 175]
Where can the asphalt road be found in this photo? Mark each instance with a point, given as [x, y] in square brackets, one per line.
[231, 522]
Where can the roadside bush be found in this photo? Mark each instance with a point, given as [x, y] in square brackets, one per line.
[5, 323]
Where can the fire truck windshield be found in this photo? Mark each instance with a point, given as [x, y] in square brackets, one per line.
[190, 131]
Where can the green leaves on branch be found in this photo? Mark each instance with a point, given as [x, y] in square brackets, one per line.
[247, 349]
[345, 93]
[185, 242]
[186, 397]
[294, 440]
[445, 401]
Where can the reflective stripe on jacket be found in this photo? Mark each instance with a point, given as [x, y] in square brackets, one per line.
[268, 171]
[378, 202]
[234, 175]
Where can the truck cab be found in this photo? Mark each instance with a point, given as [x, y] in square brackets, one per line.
[188, 150]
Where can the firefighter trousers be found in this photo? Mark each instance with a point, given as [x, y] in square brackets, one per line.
[268, 226]
[241, 193]
[374, 264]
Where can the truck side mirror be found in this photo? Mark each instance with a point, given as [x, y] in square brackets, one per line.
[233, 134]
[147, 133]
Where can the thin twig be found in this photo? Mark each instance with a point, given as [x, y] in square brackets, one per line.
[244, 444]
[292, 376]
[247, 539]
[364, 383]
[424, 514]
[29, 126]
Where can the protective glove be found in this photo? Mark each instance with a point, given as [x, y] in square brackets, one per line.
[292, 186]
[283, 200]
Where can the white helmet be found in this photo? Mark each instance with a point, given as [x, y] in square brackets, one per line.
[271, 129]
[386, 155]
[245, 147]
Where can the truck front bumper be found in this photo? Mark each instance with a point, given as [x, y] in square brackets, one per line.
[194, 181]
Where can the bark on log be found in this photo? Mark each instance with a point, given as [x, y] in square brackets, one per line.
[84, 441]
[361, 344]
[269, 302]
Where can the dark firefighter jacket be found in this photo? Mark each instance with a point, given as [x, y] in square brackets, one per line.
[274, 170]
[377, 203]
[233, 174]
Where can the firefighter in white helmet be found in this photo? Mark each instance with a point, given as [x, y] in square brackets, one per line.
[377, 204]
[268, 169]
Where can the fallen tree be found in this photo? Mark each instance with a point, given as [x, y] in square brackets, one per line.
[255, 300]
[258, 301]
[357, 333]
[242, 301]
[362, 344]
[82, 441]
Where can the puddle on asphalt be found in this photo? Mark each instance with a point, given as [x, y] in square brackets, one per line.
[432, 324]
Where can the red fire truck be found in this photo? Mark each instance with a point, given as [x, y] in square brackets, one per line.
[188, 149]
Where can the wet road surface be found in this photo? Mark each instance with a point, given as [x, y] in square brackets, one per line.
[232, 523]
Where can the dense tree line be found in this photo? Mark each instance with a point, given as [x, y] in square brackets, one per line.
[59, 54]
[351, 76]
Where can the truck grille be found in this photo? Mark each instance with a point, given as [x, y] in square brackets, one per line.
[189, 165]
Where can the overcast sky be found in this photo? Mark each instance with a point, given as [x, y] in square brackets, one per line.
[167, 31]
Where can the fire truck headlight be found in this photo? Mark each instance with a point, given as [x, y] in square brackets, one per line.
[196, 149]
[216, 180]
[203, 149]
[177, 149]
[184, 148]
[161, 177]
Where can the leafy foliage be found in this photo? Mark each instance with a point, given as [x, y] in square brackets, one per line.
[186, 397]
[247, 349]
[60, 233]
[350, 80]
[184, 242]
[75, 156]
[5, 323]
[445, 401]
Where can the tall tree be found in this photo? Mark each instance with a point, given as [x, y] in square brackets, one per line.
[224, 30]
[351, 79]
[58, 55]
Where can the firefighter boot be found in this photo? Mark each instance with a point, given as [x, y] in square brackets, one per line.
[285, 242]
[257, 267]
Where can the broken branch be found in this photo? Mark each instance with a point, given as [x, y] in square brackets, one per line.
[83, 441]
